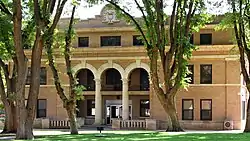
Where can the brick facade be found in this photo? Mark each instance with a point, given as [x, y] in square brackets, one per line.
[226, 91]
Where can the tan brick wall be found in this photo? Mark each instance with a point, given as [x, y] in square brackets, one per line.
[218, 37]
[225, 98]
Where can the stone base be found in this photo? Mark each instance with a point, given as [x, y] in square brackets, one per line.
[116, 124]
[151, 124]
[80, 122]
[41, 123]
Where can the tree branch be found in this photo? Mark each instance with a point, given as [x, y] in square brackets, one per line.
[5, 9]
[143, 14]
[37, 12]
[58, 15]
[133, 19]
[51, 6]
[68, 40]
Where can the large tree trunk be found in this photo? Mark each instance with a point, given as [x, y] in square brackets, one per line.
[35, 84]
[172, 113]
[21, 70]
[72, 118]
[10, 124]
[169, 106]
[247, 126]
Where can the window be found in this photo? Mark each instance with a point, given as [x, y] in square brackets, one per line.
[144, 108]
[191, 39]
[90, 107]
[144, 80]
[43, 76]
[110, 40]
[83, 41]
[137, 40]
[41, 108]
[206, 74]
[113, 77]
[206, 39]
[187, 109]
[191, 75]
[243, 110]
[206, 109]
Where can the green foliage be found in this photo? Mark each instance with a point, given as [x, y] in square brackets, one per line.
[28, 33]
[200, 20]
[79, 92]
[1, 106]
[226, 22]
[6, 38]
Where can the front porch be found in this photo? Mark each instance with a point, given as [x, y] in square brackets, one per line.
[113, 96]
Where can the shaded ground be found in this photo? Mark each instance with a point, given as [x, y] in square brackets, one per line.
[157, 136]
[89, 134]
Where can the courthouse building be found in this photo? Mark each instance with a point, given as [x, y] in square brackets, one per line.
[111, 62]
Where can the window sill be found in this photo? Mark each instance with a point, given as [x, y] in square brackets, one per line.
[109, 46]
[90, 116]
[144, 117]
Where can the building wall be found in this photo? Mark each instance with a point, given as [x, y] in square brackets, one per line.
[224, 90]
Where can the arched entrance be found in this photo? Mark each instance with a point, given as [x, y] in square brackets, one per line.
[85, 78]
[138, 80]
[111, 80]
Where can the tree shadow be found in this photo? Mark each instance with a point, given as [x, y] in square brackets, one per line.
[148, 136]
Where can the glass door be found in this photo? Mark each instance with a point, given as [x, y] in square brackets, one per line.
[115, 112]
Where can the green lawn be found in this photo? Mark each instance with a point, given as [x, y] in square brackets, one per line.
[149, 137]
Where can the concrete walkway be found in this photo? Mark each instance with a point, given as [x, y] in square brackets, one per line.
[41, 132]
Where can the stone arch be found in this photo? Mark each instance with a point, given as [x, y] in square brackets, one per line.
[108, 66]
[135, 65]
[84, 66]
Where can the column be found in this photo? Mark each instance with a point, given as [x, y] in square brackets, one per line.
[125, 100]
[98, 102]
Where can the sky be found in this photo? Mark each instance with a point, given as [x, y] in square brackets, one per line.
[85, 12]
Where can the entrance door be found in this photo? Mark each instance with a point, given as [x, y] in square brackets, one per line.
[115, 112]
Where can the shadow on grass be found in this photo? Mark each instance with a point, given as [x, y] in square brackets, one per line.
[147, 136]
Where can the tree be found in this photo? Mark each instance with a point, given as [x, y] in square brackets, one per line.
[6, 78]
[239, 18]
[9, 69]
[40, 13]
[186, 17]
[69, 103]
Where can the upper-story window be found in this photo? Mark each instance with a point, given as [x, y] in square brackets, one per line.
[137, 40]
[206, 39]
[112, 77]
[191, 39]
[191, 75]
[83, 41]
[43, 76]
[206, 74]
[110, 40]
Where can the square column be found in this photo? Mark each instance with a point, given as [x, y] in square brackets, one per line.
[98, 102]
[125, 100]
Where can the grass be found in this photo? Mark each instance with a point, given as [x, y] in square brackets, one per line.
[149, 137]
